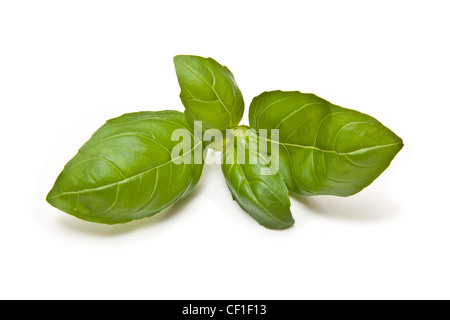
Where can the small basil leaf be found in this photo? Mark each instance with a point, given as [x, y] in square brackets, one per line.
[263, 196]
[208, 92]
[126, 171]
[328, 149]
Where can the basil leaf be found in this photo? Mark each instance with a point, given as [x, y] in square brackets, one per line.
[208, 92]
[264, 197]
[326, 149]
[126, 171]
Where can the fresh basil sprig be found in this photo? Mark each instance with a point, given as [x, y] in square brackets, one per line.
[132, 167]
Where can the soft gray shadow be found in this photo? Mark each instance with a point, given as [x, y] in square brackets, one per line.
[363, 207]
[102, 230]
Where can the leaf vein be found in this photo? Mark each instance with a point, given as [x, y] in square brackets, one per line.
[211, 86]
[129, 178]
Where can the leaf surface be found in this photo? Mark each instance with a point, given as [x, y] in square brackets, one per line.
[263, 196]
[324, 148]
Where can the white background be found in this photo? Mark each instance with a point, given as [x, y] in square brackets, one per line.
[68, 66]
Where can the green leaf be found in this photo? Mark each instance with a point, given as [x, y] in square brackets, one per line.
[263, 196]
[324, 148]
[126, 171]
[208, 92]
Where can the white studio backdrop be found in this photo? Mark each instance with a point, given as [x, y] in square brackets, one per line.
[68, 66]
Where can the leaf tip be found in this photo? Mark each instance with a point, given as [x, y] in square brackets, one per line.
[280, 225]
[51, 195]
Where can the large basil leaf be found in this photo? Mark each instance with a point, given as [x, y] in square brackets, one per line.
[125, 171]
[208, 92]
[264, 197]
[324, 148]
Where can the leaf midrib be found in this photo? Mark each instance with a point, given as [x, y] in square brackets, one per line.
[334, 151]
[127, 179]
